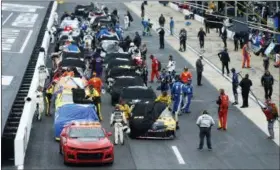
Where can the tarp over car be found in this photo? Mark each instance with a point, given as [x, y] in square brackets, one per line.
[73, 112]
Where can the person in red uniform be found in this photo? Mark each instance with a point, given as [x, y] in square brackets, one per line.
[96, 82]
[186, 76]
[223, 102]
[246, 56]
[271, 113]
[155, 69]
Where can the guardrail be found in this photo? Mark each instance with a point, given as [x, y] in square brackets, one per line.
[196, 17]
[23, 133]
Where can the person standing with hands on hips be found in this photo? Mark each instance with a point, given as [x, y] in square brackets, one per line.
[205, 122]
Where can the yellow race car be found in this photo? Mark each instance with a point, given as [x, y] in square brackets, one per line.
[152, 120]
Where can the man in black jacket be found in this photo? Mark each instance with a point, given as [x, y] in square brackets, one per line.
[201, 34]
[137, 39]
[161, 20]
[143, 10]
[267, 81]
[161, 33]
[224, 57]
[183, 39]
[245, 85]
[199, 70]
[224, 38]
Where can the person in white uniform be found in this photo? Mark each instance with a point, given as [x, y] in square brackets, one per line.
[171, 65]
[40, 102]
[126, 21]
[43, 75]
[205, 122]
[118, 120]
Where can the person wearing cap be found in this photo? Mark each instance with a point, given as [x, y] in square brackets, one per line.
[245, 85]
[271, 112]
[235, 83]
[205, 123]
[224, 58]
[145, 25]
[96, 82]
[186, 76]
[155, 68]
[94, 95]
[188, 93]
[199, 70]
[223, 102]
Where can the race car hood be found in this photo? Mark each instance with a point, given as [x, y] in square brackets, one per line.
[88, 143]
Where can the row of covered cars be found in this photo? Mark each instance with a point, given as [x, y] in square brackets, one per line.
[77, 125]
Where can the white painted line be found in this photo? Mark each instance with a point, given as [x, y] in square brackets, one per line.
[178, 155]
[4, 22]
[26, 41]
[6, 80]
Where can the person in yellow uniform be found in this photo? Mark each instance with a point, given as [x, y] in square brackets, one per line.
[49, 93]
[93, 94]
[125, 108]
[164, 98]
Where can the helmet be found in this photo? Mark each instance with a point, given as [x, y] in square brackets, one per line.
[126, 129]
[131, 44]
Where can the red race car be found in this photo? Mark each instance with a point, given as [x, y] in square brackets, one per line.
[86, 142]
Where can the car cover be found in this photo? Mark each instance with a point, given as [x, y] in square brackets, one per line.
[73, 63]
[112, 56]
[144, 115]
[119, 71]
[69, 55]
[73, 112]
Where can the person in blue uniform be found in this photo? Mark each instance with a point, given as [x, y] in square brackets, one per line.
[145, 26]
[97, 63]
[119, 31]
[188, 93]
[235, 83]
[164, 81]
[176, 93]
[103, 31]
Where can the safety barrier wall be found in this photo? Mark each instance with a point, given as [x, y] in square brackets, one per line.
[23, 133]
[196, 17]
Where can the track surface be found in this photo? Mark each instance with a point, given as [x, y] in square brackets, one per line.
[17, 45]
[243, 146]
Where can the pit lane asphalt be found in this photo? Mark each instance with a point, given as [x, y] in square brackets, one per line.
[242, 146]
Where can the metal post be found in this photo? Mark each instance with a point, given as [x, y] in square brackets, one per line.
[235, 8]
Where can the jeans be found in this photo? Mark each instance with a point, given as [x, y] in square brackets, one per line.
[205, 132]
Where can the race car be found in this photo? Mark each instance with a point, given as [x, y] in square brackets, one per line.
[134, 94]
[112, 56]
[74, 24]
[121, 71]
[83, 10]
[115, 87]
[119, 62]
[152, 120]
[86, 142]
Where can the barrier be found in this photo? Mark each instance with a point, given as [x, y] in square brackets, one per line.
[196, 17]
[23, 133]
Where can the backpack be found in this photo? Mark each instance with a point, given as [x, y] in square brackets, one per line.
[274, 110]
[159, 66]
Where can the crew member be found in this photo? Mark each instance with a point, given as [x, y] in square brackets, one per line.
[246, 56]
[224, 37]
[164, 81]
[137, 40]
[96, 82]
[40, 102]
[188, 93]
[183, 39]
[118, 121]
[145, 74]
[164, 98]
[126, 21]
[199, 70]
[49, 93]
[267, 81]
[161, 20]
[97, 63]
[186, 76]
[201, 34]
[171, 64]
[155, 69]
[93, 94]
[205, 122]
[176, 92]
[235, 83]
[245, 85]
[132, 48]
[43, 75]
[223, 102]
[125, 109]
[271, 113]
[224, 57]
[161, 33]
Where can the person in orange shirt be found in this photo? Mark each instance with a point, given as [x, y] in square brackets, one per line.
[68, 72]
[96, 82]
[246, 56]
[186, 76]
[223, 102]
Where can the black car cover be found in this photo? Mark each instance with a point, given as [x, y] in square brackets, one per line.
[118, 71]
[71, 55]
[113, 38]
[112, 56]
[144, 115]
[125, 82]
[73, 63]
[119, 62]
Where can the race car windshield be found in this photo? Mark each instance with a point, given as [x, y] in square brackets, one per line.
[138, 93]
[86, 132]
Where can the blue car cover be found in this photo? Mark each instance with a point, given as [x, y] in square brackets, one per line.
[73, 112]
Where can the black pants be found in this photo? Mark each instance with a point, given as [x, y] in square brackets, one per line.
[183, 44]
[201, 43]
[225, 65]
[142, 13]
[205, 132]
[225, 42]
[245, 96]
[161, 42]
[234, 88]
[266, 64]
[199, 76]
[49, 97]
[268, 92]
[235, 45]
